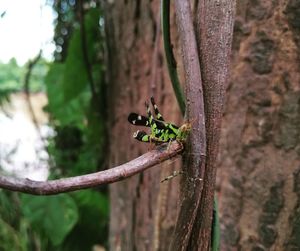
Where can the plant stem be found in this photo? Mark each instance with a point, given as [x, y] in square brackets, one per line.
[172, 68]
[171, 62]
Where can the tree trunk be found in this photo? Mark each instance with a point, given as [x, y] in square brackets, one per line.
[259, 164]
[260, 151]
[143, 210]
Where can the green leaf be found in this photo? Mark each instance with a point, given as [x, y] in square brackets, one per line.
[94, 200]
[75, 76]
[54, 216]
[64, 111]
[53, 82]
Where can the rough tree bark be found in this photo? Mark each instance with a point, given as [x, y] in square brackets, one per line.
[259, 173]
[143, 210]
[141, 214]
[260, 157]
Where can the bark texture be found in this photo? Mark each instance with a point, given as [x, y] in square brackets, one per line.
[143, 210]
[259, 175]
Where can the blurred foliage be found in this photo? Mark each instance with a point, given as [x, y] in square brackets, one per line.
[12, 77]
[52, 217]
[78, 118]
[14, 229]
[92, 222]
[65, 22]
[74, 84]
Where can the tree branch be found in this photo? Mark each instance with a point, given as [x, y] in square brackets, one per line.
[196, 147]
[118, 173]
[30, 67]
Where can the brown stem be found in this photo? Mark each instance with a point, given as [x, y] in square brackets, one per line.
[30, 67]
[214, 28]
[196, 147]
[118, 173]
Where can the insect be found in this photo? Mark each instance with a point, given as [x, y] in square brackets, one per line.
[161, 131]
[173, 175]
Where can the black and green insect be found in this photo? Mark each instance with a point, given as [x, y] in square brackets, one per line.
[161, 131]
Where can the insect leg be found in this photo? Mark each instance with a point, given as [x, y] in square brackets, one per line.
[174, 174]
[141, 136]
[151, 121]
[171, 130]
[157, 113]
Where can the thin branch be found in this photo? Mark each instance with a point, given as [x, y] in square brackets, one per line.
[118, 173]
[165, 13]
[196, 148]
[171, 62]
[30, 67]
